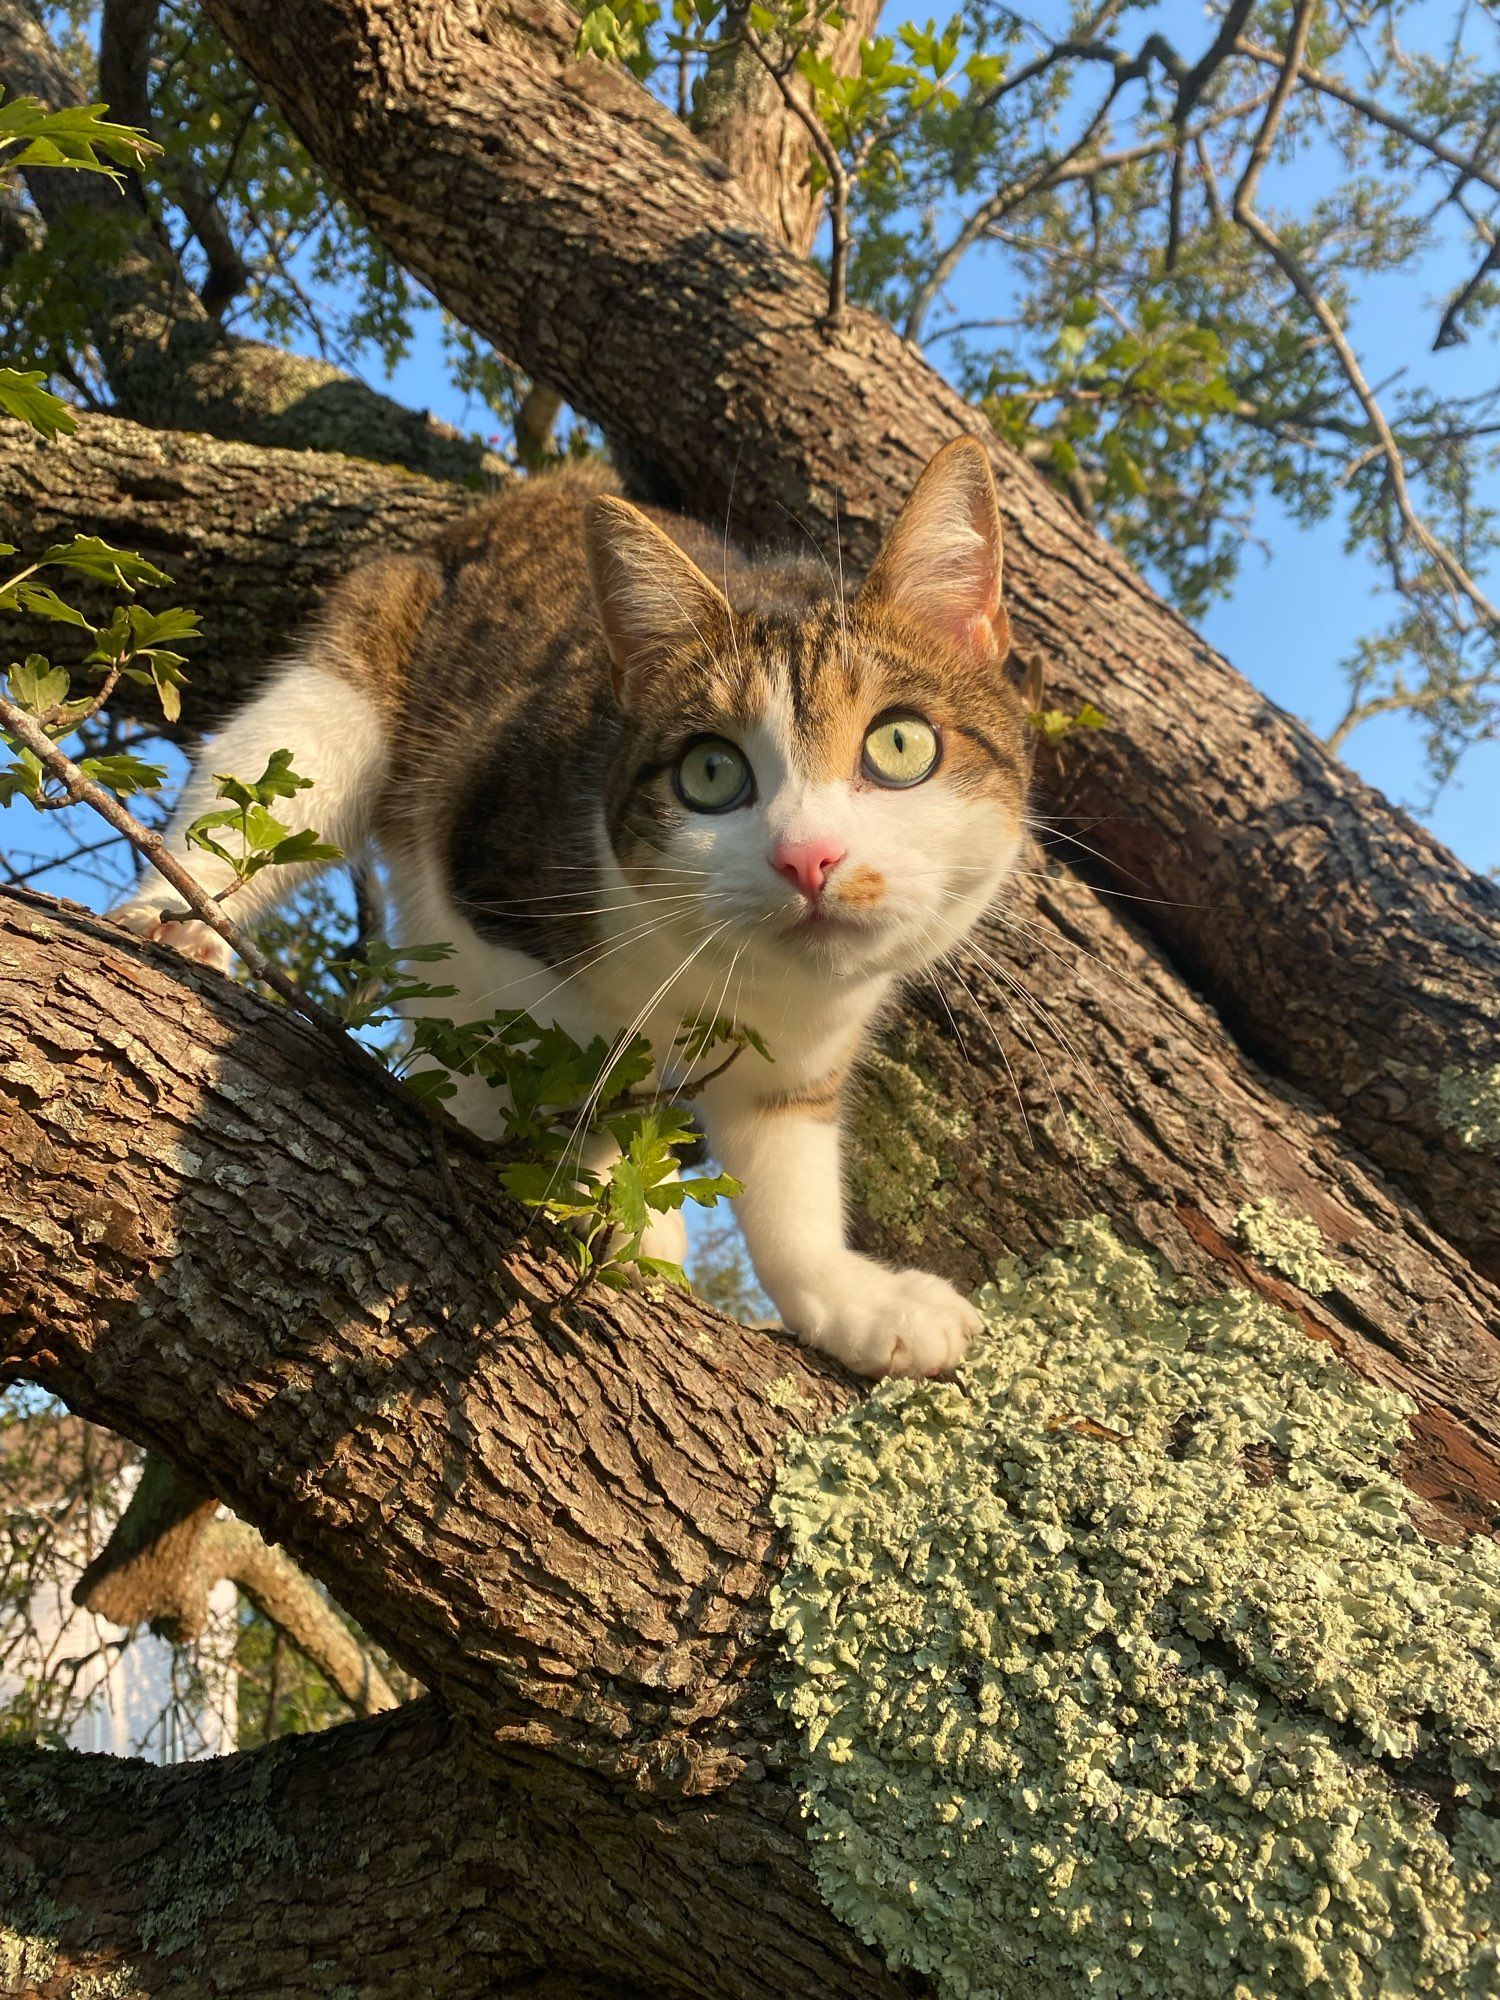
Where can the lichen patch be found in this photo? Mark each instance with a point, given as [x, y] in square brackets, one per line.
[901, 1140]
[1121, 1668]
[1468, 1105]
[1292, 1245]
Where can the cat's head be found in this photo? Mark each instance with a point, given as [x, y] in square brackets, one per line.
[840, 785]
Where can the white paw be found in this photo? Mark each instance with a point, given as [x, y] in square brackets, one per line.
[192, 939]
[881, 1322]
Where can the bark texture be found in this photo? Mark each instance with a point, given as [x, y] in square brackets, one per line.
[377, 1848]
[220, 1243]
[743, 119]
[250, 537]
[554, 206]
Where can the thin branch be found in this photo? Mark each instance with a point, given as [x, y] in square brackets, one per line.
[1301, 281]
[1450, 333]
[82, 790]
[1332, 86]
[833, 166]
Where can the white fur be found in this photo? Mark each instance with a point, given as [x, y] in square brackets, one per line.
[734, 947]
[336, 739]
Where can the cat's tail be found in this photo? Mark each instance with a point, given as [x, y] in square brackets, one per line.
[331, 705]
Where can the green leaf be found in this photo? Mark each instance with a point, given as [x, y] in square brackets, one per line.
[123, 774]
[628, 1208]
[277, 781]
[38, 685]
[667, 1272]
[44, 603]
[24, 779]
[74, 136]
[22, 396]
[95, 558]
[304, 847]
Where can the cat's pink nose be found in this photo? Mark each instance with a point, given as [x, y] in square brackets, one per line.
[807, 864]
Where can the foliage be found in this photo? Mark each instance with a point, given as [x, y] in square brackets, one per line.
[560, 1104]
[1064, 214]
[263, 841]
[131, 646]
[82, 138]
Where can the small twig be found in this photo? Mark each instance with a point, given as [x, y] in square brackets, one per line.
[1470, 167]
[1450, 333]
[1302, 284]
[83, 791]
[833, 166]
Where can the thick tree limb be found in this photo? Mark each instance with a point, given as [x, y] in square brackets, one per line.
[169, 1549]
[374, 1848]
[1344, 943]
[212, 1240]
[250, 537]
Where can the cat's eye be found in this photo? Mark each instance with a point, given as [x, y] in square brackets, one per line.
[901, 749]
[713, 776]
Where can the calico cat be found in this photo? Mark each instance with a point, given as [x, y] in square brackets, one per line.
[633, 777]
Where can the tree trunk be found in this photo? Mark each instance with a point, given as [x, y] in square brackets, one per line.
[249, 537]
[557, 208]
[743, 120]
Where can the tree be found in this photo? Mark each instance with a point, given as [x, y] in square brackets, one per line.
[555, 1508]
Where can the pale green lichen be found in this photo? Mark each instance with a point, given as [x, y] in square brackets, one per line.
[26, 1959]
[1292, 1245]
[784, 1394]
[121, 1984]
[901, 1138]
[1090, 1147]
[1468, 1105]
[1122, 1670]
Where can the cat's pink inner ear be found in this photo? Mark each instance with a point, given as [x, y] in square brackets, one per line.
[652, 598]
[941, 565]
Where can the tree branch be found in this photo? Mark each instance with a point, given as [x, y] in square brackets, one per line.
[250, 537]
[168, 361]
[1302, 283]
[372, 1851]
[169, 1550]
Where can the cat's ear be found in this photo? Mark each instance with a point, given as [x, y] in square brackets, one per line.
[941, 563]
[651, 597]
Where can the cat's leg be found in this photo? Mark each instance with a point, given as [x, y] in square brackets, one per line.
[336, 739]
[875, 1320]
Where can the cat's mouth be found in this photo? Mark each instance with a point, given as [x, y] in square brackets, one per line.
[829, 920]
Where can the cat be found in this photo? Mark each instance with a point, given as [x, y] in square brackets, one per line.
[635, 778]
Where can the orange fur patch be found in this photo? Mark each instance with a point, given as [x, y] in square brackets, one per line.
[861, 888]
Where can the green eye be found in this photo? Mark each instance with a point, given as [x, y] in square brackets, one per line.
[900, 750]
[712, 776]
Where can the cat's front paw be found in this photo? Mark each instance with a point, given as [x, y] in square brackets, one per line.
[192, 939]
[881, 1322]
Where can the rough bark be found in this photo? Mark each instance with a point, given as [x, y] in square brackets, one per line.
[236, 1254]
[249, 536]
[216, 1241]
[376, 1848]
[559, 210]
[168, 360]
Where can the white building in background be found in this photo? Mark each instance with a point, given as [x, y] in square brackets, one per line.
[62, 1486]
